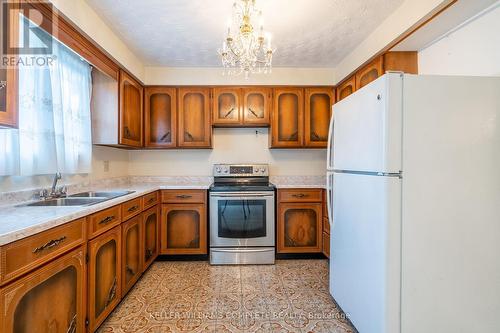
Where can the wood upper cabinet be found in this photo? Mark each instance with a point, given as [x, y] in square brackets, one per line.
[287, 126]
[183, 229]
[195, 128]
[299, 225]
[256, 106]
[131, 111]
[151, 236]
[346, 88]
[160, 117]
[9, 75]
[50, 299]
[318, 111]
[104, 276]
[226, 106]
[131, 252]
[369, 73]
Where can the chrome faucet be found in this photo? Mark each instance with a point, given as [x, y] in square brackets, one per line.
[54, 192]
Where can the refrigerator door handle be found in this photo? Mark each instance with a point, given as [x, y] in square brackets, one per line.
[329, 181]
[329, 164]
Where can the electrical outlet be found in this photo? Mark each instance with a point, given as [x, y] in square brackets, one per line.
[106, 166]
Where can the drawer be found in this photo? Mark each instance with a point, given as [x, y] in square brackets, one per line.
[104, 220]
[26, 254]
[300, 195]
[131, 208]
[150, 200]
[183, 196]
[326, 244]
[326, 225]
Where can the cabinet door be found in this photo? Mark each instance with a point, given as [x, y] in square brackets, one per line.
[183, 229]
[227, 106]
[104, 276]
[151, 229]
[369, 73]
[131, 113]
[346, 88]
[299, 228]
[318, 111]
[131, 252]
[195, 129]
[326, 244]
[256, 106]
[50, 299]
[9, 75]
[288, 118]
[160, 117]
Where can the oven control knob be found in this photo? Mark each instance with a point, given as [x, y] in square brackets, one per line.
[218, 169]
[262, 170]
[226, 170]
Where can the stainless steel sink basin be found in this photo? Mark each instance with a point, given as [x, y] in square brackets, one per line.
[67, 202]
[101, 194]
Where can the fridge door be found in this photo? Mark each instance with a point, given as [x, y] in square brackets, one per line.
[329, 196]
[368, 127]
[366, 250]
[329, 152]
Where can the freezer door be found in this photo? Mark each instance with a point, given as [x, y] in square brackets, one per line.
[368, 127]
[329, 158]
[365, 250]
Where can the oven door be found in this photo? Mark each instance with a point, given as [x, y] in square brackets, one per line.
[241, 219]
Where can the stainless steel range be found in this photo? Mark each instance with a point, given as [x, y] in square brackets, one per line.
[242, 217]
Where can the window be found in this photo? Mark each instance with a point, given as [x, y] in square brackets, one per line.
[54, 131]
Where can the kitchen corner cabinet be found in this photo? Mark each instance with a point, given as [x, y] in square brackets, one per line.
[369, 73]
[194, 118]
[104, 276]
[318, 110]
[130, 111]
[227, 106]
[287, 129]
[346, 88]
[151, 236]
[131, 252]
[51, 299]
[299, 226]
[160, 117]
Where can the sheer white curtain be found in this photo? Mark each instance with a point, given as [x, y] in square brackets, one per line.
[54, 132]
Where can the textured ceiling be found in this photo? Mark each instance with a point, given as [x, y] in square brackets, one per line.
[187, 33]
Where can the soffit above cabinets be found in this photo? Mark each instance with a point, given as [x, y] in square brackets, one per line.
[187, 33]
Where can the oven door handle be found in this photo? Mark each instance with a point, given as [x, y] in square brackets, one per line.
[239, 250]
[241, 195]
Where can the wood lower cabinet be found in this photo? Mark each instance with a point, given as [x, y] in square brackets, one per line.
[287, 129]
[256, 108]
[131, 111]
[299, 226]
[50, 299]
[318, 111]
[194, 118]
[151, 236]
[160, 117]
[132, 237]
[326, 244]
[104, 276]
[184, 229]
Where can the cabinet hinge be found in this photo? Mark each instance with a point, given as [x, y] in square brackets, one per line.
[87, 258]
[86, 321]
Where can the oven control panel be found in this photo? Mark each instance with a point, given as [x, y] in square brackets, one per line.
[241, 170]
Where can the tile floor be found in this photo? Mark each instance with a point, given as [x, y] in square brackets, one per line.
[291, 296]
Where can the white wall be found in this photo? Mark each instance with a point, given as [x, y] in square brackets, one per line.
[118, 167]
[231, 145]
[473, 48]
[214, 76]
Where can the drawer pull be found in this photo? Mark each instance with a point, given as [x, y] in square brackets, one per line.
[299, 195]
[50, 244]
[151, 200]
[184, 196]
[133, 209]
[107, 220]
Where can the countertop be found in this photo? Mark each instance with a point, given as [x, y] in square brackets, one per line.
[20, 222]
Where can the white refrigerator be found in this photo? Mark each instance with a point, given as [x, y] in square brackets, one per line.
[414, 204]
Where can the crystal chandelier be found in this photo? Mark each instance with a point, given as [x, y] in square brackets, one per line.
[247, 50]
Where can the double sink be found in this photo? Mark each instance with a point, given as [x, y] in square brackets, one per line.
[80, 199]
